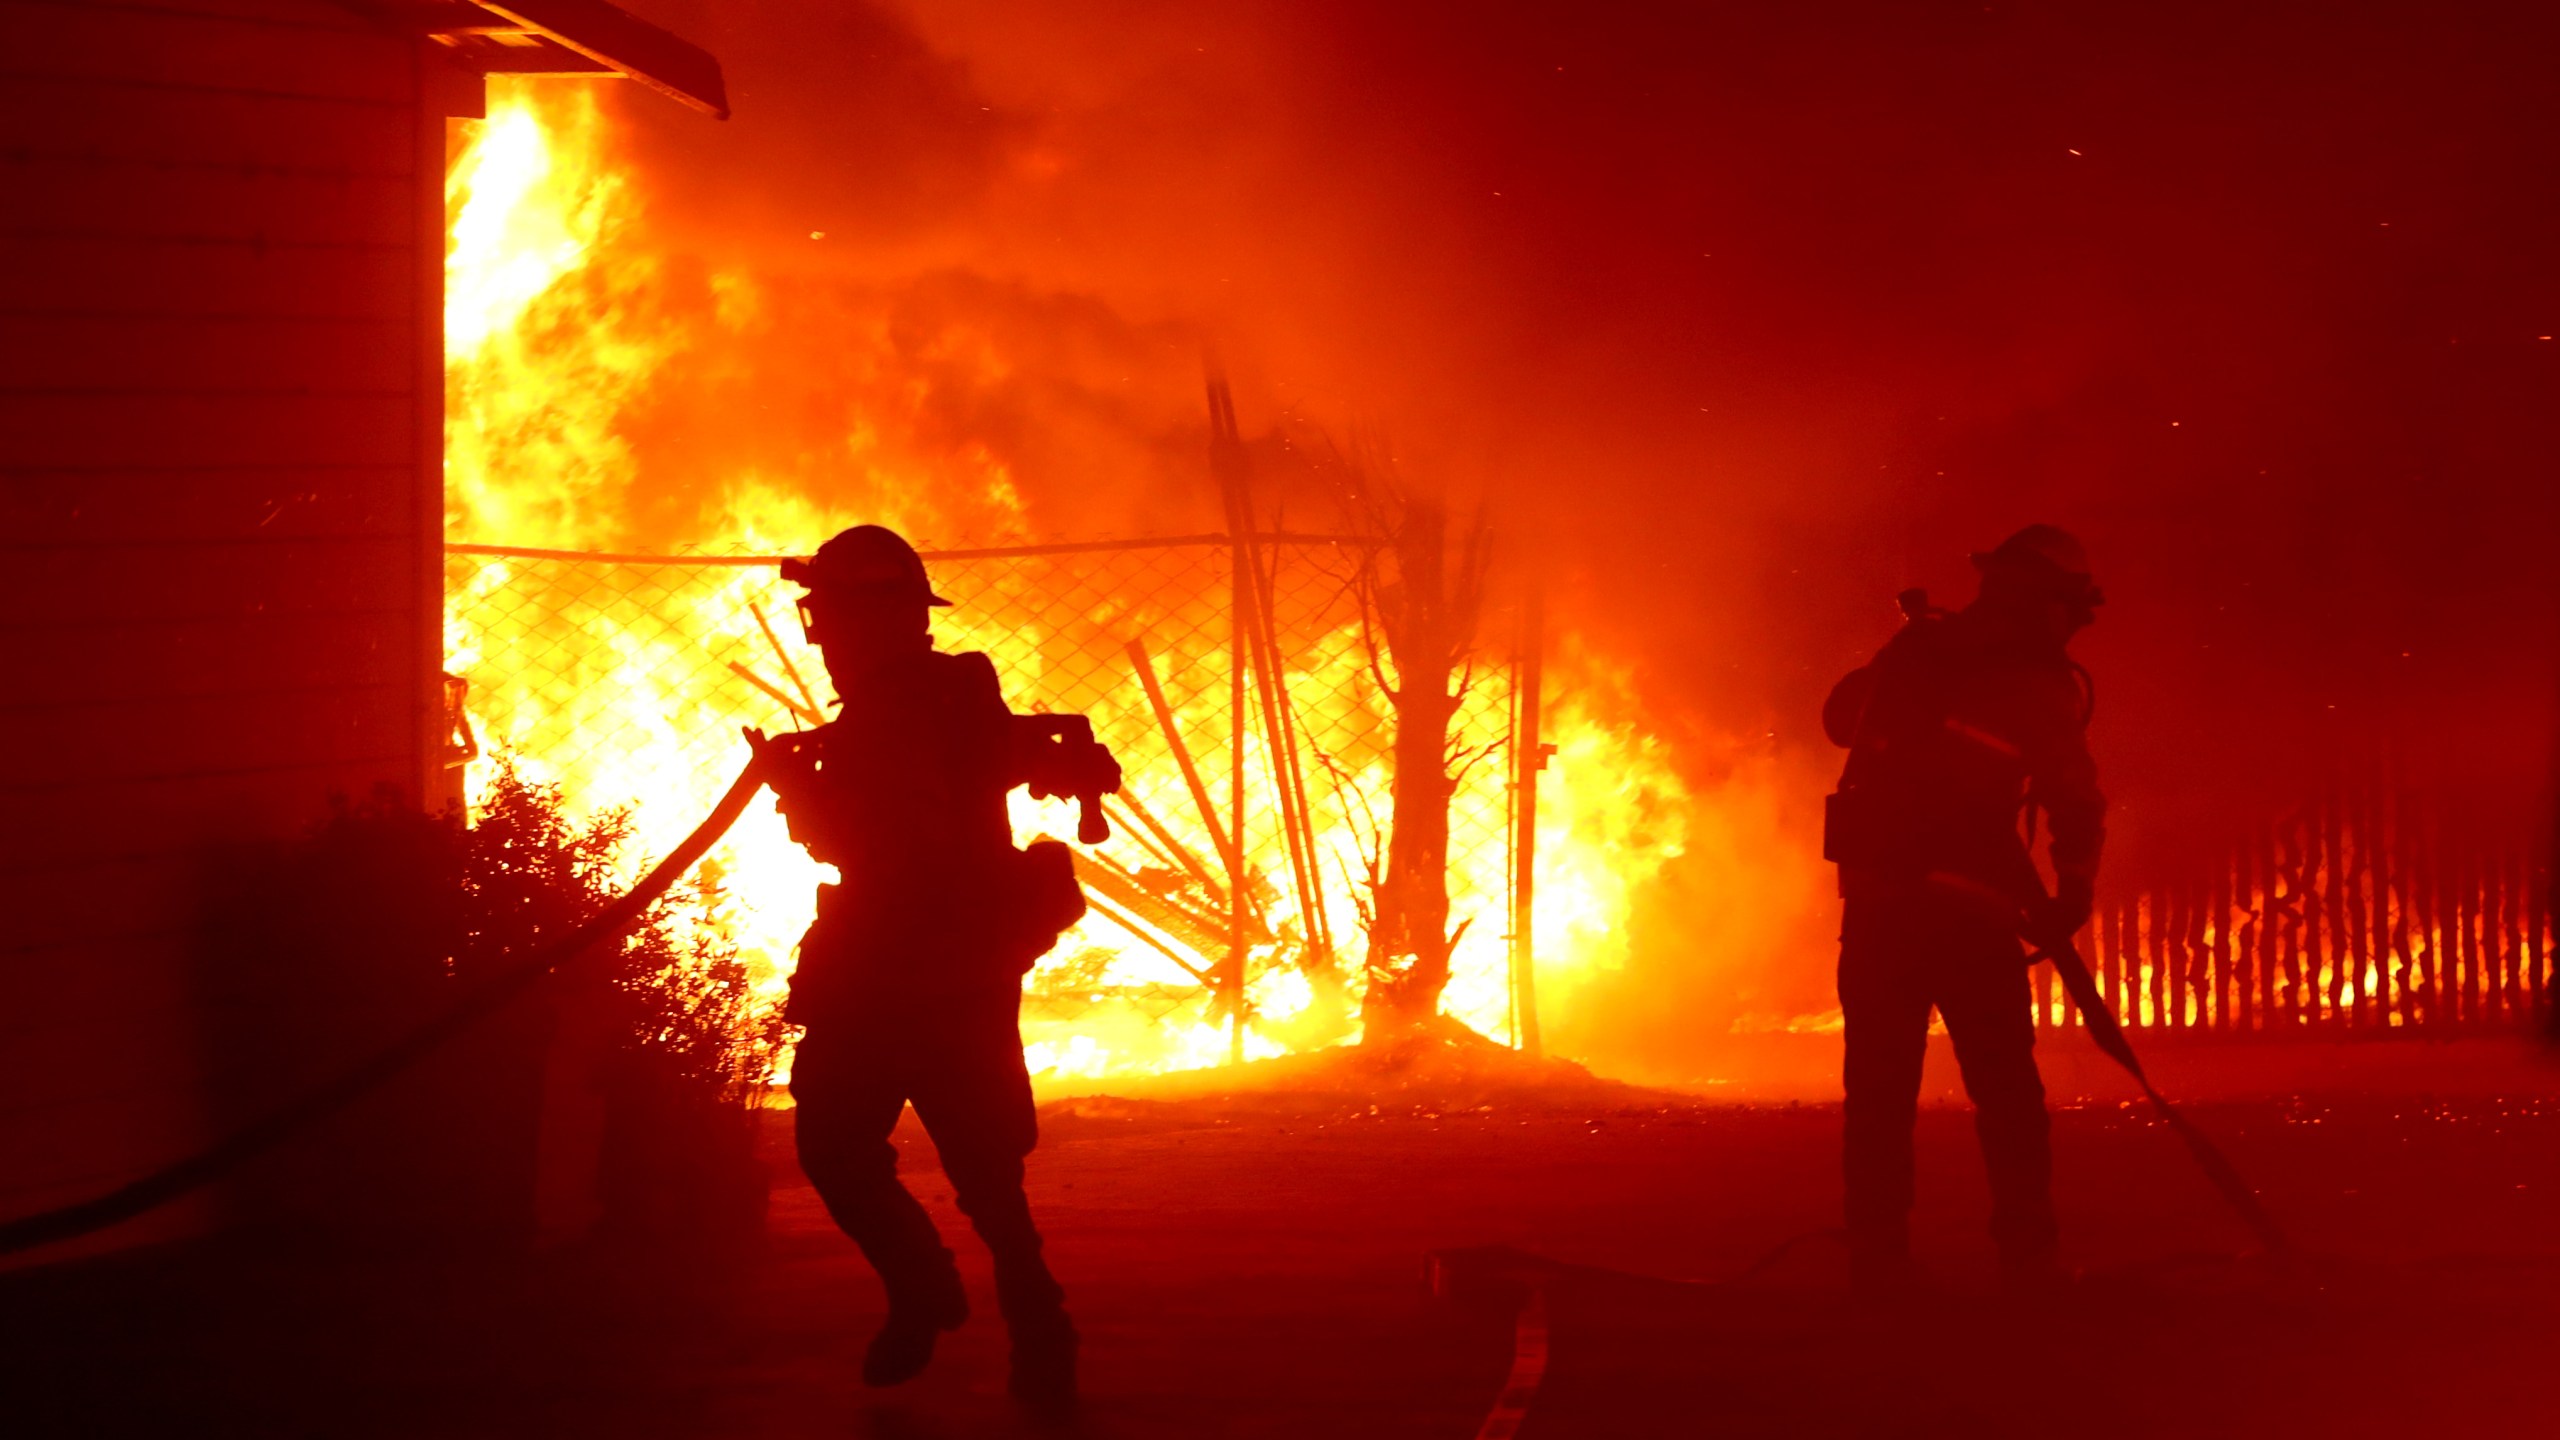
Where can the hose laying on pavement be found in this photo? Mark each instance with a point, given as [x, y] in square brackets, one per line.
[2104, 1029]
[231, 1151]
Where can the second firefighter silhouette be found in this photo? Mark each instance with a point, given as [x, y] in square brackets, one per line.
[910, 981]
[1964, 728]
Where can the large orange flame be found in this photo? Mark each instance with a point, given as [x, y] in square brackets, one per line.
[550, 340]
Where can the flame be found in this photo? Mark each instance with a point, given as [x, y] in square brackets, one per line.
[555, 327]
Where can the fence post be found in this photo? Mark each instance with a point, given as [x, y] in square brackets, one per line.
[1528, 756]
[1237, 638]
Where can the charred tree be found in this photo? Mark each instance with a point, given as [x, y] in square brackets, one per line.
[1421, 592]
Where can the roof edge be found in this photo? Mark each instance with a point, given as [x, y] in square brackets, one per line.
[587, 38]
[667, 63]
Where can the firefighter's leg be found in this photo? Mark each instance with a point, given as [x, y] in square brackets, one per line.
[977, 1106]
[848, 1097]
[1988, 1008]
[1884, 1009]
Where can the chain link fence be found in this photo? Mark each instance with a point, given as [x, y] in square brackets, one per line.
[1228, 903]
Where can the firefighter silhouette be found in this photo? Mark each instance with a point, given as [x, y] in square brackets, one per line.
[909, 982]
[1963, 729]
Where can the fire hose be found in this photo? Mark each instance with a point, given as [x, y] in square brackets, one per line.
[2110, 1037]
[227, 1154]
[1457, 1272]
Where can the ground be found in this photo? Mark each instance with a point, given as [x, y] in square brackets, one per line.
[1252, 1263]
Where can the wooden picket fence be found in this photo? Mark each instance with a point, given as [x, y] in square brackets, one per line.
[2372, 909]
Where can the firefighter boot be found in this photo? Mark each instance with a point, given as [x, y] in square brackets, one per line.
[1043, 1375]
[919, 1311]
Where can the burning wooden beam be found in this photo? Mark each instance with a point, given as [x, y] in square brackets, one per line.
[1182, 760]
[810, 717]
[1172, 848]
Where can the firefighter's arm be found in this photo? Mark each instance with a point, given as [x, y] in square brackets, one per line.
[1052, 755]
[789, 763]
[985, 723]
[2062, 781]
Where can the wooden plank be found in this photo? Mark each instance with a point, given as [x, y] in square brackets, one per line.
[41, 587]
[235, 677]
[2168, 931]
[2269, 960]
[90, 274]
[2193, 1010]
[2512, 883]
[2511, 934]
[43, 1068]
[81, 1144]
[2244, 933]
[2374, 838]
[161, 47]
[2427, 869]
[299, 14]
[2319, 945]
[2477, 988]
[134, 978]
[222, 656]
[63, 117]
[2537, 927]
[2394, 898]
[2255, 965]
[2161, 936]
[68, 919]
[2284, 905]
[127, 198]
[2128, 1000]
[144, 507]
[137, 430]
[161, 353]
[2334, 875]
[2226, 995]
[2455, 881]
[2212, 941]
[383, 625]
[97, 818]
[2097, 958]
[87, 743]
[2484, 979]
[2272, 944]
[2120, 961]
[2356, 882]
[2493, 979]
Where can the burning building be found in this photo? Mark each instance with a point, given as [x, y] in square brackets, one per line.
[224, 458]
[1448, 452]
[366, 445]
[1264, 680]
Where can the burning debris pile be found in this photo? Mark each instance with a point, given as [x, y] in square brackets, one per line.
[1272, 857]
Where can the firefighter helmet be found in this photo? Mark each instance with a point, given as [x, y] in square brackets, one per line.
[867, 560]
[2047, 556]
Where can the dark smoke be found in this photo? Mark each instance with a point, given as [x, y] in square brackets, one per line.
[1755, 314]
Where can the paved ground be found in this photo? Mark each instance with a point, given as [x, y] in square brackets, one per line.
[1252, 1266]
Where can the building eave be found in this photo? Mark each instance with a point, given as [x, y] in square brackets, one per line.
[569, 38]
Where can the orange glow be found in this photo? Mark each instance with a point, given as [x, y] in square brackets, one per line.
[552, 337]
